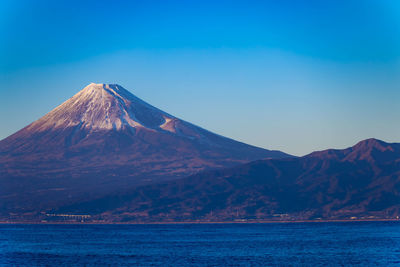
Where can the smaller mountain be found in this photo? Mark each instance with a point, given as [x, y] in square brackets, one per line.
[360, 182]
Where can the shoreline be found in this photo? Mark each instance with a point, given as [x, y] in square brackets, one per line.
[197, 222]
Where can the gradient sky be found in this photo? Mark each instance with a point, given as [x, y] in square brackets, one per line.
[297, 76]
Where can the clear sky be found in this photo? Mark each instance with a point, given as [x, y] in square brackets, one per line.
[297, 76]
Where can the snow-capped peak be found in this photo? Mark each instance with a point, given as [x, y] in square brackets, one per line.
[105, 107]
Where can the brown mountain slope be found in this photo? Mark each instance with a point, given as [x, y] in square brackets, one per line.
[362, 181]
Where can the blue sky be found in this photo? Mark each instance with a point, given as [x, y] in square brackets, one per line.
[297, 76]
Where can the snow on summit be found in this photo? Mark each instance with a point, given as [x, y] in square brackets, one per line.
[105, 107]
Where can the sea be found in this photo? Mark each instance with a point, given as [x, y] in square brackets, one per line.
[269, 244]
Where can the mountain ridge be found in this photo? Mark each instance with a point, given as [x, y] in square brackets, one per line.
[315, 186]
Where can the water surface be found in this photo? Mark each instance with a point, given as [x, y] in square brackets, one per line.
[352, 243]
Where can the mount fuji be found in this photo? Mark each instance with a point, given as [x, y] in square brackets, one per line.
[103, 140]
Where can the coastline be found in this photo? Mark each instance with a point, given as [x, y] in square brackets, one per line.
[196, 222]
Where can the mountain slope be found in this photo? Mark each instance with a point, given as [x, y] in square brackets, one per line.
[103, 140]
[362, 181]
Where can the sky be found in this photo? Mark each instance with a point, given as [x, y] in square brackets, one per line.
[296, 76]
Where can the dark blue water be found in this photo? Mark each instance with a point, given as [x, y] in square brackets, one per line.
[355, 243]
